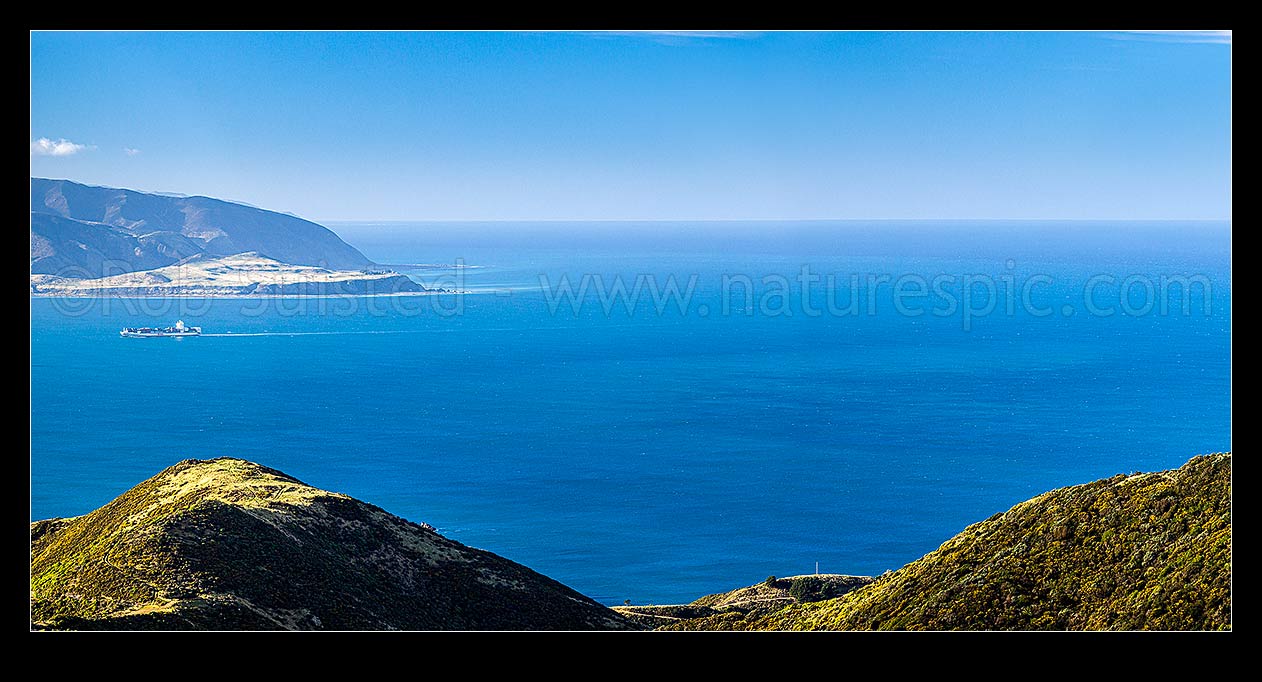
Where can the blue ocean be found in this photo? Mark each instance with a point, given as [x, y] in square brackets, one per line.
[657, 411]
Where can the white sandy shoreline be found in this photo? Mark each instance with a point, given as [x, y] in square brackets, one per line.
[241, 276]
[245, 297]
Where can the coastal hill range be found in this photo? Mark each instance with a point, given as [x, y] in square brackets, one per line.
[229, 544]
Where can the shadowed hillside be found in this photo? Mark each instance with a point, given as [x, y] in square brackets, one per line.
[229, 544]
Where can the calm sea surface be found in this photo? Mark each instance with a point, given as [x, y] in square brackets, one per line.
[657, 452]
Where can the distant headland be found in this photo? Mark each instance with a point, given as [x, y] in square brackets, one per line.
[91, 241]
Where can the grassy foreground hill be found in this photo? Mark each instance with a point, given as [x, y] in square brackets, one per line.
[229, 544]
[1146, 551]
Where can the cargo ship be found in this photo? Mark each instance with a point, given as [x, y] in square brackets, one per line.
[178, 331]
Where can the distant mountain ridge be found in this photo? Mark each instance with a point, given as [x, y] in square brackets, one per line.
[80, 230]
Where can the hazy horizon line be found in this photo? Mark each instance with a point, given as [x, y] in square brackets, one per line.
[322, 221]
[762, 220]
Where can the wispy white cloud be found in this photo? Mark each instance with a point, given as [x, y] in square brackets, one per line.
[130, 151]
[62, 147]
[677, 37]
[1223, 37]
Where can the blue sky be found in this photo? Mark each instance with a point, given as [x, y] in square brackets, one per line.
[490, 126]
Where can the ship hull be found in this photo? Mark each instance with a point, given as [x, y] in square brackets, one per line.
[157, 335]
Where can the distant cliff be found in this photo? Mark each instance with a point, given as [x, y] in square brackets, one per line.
[228, 544]
[84, 231]
[1140, 552]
